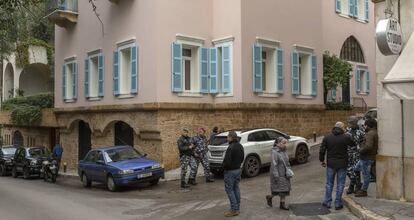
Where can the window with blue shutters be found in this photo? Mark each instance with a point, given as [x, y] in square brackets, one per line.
[257, 69]
[314, 76]
[338, 6]
[70, 80]
[226, 69]
[134, 70]
[280, 73]
[115, 60]
[204, 75]
[351, 8]
[356, 6]
[177, 67]
[295, 73]
[304, 72]
[362, 80]
[125, 70]
[94, 75]
[366, 7]
[213, 69]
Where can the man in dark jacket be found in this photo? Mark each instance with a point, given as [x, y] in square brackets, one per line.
[333, 154]
[186, 151]
[368, 152]
[231, 165]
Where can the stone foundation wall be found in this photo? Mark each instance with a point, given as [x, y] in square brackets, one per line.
[39, 136]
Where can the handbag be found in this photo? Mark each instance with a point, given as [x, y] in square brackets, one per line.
[289, 171]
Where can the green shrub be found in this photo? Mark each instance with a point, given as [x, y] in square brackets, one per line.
[28, 110]
[338, 106]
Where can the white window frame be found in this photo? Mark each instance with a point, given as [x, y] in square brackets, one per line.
[362, 80]
[271, 73]
[124, 81]
[220, 44]
[195, 44]
[309, 52]
[69, 74]
[95, 94]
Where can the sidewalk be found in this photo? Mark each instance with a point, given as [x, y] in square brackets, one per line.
[371, 208]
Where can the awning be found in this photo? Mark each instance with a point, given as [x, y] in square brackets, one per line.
[399, 82]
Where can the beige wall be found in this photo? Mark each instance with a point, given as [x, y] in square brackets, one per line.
[156, 23]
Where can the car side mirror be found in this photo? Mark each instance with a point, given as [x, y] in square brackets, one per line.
[287, 137]
[101, 162]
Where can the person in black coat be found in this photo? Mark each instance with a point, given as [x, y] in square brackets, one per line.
[186, 148]
[333, 155]
[232, 173]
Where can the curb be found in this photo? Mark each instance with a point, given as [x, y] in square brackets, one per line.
[68, 176]
[362, 212]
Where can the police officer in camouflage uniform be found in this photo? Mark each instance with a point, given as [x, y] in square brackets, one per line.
[185, 148]
[357, 135]
[200, 154]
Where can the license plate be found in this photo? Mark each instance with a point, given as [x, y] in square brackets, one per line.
[144, 175]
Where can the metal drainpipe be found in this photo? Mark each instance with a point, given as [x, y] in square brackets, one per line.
[402, 198]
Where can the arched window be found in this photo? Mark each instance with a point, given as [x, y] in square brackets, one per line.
[351, 51]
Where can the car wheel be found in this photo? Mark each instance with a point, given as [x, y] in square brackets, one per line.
[251, 166]
[110, 184]
[154, 182]
[26, 173]
[302, 154]
[85, 181]
[3, 170]
[14, 172]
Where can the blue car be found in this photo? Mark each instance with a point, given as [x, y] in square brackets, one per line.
[118, 166]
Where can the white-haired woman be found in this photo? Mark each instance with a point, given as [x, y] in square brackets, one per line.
[280, 173]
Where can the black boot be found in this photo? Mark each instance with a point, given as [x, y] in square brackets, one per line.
[358, 187]
[184, 185]
[192, 182]
[283, 206]
[269, 201]
[351, 189]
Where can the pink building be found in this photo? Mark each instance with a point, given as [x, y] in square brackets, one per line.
[156, 66]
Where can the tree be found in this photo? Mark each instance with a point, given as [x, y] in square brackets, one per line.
[336, 72]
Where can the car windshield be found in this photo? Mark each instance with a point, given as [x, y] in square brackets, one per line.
[8, 151]
[219, 140]
[39, 152]
[119, 154]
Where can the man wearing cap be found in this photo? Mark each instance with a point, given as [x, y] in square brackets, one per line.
[186, 151]
[232, 173]
[357, 136]
[200, 154]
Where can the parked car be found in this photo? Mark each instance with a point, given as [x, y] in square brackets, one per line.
[6, 159]
[257, 144]
[118, 166]
[372, 113]
[28, 161]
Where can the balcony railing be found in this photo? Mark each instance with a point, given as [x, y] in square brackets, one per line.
[62, 12]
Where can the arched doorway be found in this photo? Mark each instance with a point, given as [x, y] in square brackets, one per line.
[351, 51]
[17, 138]
[8, 89]
[35, 78]
[84, 140]
[124, 134]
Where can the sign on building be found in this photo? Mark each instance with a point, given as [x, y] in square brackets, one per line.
[389, 36]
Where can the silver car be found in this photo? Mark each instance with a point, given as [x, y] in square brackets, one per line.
[257, 144]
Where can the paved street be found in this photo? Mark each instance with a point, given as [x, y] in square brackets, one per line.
[34, 199]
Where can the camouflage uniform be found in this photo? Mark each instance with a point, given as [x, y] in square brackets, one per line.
[357, 135]
[186, 156]
[200, 155]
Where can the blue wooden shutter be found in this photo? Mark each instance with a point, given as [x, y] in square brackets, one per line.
[368, 86]
[338, 6]
[295, 73]
[134, 70]
[358, 81]
[213, 71]
[351, 8]
[204, 70]
[366, 10]
[101, 75]
[314, 76]
[257, 69]
[280, 74]
[74, 80]
[87, 78]
[177, 67]
[115, 87]
[356, 2]
[64, 82]
[226, 65]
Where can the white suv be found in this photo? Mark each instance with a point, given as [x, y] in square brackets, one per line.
[257, 144]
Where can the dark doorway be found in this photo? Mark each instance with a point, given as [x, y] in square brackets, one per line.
[346, 93]
[84, 140]
[124, 134]
[17, 138]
